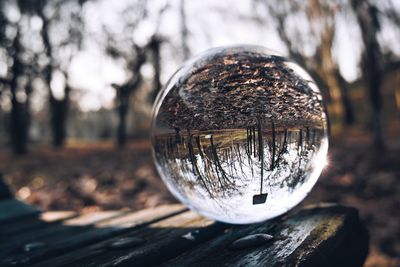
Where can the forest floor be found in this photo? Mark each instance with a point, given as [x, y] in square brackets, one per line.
[88, 177]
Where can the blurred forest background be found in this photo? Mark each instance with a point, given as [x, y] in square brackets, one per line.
[78, 78]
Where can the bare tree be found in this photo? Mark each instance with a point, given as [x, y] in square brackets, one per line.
[125, 91]
[118, 47]
[19, 117]
[324, 13]
[154, 47]
[320, 17]
[30, 63]
[58, 107]
[367, 16]
[184, 30]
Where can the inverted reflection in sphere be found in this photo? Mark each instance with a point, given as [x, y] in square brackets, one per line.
[240, 134]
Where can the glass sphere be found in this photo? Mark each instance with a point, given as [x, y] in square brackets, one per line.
[239, 134]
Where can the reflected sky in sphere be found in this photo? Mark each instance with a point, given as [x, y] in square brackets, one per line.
[239, 134]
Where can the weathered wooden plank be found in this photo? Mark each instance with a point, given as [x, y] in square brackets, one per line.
[34, 223]
[68, 240]
[13, 209]
[58, 229]
[318, 236]
[25, 242]
[146, 246]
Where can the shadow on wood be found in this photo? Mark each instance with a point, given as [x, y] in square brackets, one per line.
[5, 192]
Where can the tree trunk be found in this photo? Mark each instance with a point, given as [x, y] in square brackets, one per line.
[19, 121]
[123, 102]
[154, 46]
[184, 30]
[371, 64]
[124, 92]
[121, 134]
[18, 132]
[346, 102]
[321, 66]
[59, 113]
[58, 108]
[342, 107]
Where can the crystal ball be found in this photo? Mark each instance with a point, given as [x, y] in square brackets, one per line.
[240, 134]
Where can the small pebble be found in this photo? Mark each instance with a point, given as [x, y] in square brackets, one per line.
[126, 242]
[189, 236]
[32, 246]
[251, 241]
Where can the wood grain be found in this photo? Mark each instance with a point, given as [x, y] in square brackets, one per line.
[317, 236]
[324, 235]
[34, 223]
[78, 232]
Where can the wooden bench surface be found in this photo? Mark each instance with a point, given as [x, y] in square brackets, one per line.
[171, 235]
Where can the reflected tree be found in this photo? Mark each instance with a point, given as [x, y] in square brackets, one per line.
[222, 162]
